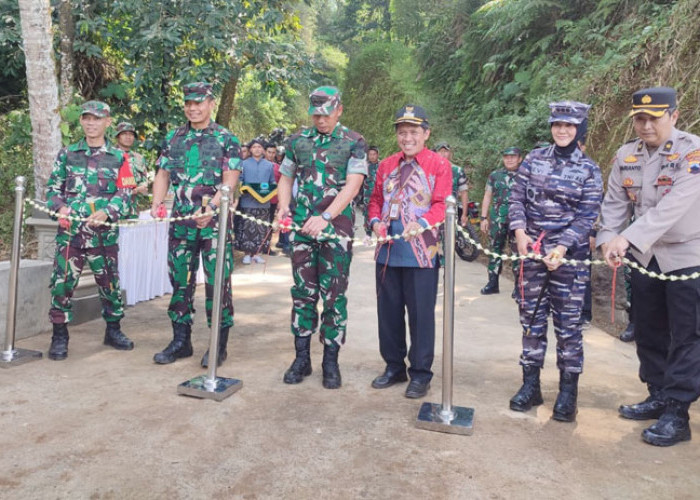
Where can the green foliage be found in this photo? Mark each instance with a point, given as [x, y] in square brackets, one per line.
[258, 113]
[15, 159]
[378, 81]
[12, 72]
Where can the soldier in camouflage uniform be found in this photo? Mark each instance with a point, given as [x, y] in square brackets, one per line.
[126, 135]
[197, 159]
[363, 196]
[329, 161]
[557, 193]
[495, 220]
[460, 185]
[90, 179]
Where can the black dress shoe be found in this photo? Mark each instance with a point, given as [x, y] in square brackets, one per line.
[417, 389]
[387, 379]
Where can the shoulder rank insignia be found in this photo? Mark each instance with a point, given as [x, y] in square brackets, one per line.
[628, 182]
[631, 159]
[668, 146]
[640, 147]
[664, 180]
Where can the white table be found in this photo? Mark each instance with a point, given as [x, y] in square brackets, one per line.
[143, 261]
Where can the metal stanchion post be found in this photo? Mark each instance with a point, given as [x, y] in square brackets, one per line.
[210, 386]
[445, 417]
[10, 355]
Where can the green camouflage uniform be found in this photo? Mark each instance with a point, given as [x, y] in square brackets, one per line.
[196, 161]
[84, 179]
[138, 168]
[367, 188]
[500, 183]
[320, 163]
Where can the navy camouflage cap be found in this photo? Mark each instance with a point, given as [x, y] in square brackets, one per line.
[324, 100]
[442, 145]
[125, 127]
[568, 112]
[198, 91]
[95, 108]
[653, 101]
[412, 114]
[512, 151]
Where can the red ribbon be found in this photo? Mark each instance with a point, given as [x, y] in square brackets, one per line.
[536, 247]
[612, 294]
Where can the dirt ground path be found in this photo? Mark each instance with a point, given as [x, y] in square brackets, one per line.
[109, 424]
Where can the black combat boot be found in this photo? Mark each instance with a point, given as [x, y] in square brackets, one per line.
[301, 366]
[331, 370]
[59, 342]
[179, 347]
[530, 394]
[565, 406]
[673, 426]
[223, 354]
[628, 334]
[492, 285]
[115, 337]
[651, 408]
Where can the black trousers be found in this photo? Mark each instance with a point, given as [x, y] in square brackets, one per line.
[412, 289]
[667, 331]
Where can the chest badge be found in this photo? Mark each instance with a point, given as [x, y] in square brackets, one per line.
[389, 186]
[628, 182]
[664, 180]
[631, 159]
[673, 157]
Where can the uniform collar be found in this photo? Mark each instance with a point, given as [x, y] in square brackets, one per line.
[420, 158]
[209, 128]
[313, 132]
[82, 145]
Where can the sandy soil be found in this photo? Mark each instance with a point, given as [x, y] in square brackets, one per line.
[109, 424]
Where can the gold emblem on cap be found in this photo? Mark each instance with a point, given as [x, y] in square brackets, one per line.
[646, 99]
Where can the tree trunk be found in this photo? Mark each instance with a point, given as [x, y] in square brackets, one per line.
[228, 96]
[42, 88]
[67, 31]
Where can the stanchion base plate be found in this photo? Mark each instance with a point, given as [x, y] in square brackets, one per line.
[19, 357]
[462, 421]
[196, 388]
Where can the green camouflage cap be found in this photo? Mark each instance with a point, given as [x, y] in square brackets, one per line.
[542, 144]
[512, 151]
[96, 108]
[198, 91]
[442, 145]
[125, 127]
[324, 100]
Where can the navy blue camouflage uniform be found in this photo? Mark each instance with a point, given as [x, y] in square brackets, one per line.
[561, 196]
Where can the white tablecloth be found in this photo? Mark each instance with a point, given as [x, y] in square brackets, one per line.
[143, 261]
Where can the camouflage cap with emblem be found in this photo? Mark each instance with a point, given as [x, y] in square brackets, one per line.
[324, 100]
[412, 114]
[125, 127]
[568, 112]
[654, 101]
[198, 91]
[442, 145]
[512, 151]
[95, 108]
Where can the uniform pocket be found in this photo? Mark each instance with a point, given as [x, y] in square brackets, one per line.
[107, 180]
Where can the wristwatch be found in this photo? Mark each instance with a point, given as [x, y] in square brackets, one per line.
[212, 206]
[326, 216]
